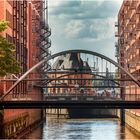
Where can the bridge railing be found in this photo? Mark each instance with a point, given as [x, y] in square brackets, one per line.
[127, 97]
[69, 96]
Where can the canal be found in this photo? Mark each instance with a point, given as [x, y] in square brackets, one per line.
[81, 129]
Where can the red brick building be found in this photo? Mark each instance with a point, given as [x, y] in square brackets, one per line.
[128, 51]
[70, 63]
[24, 24]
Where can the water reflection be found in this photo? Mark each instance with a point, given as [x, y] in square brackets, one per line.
[122, 133]
[82, 129]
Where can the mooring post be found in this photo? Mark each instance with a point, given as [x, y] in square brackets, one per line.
[122, 111]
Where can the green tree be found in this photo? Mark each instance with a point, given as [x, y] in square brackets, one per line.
[8, 63]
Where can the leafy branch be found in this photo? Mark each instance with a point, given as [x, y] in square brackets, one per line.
[8, 63]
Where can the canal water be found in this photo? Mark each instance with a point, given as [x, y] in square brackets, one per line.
[81, 129]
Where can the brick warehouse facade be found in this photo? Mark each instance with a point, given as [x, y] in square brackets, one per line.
[128, 51]
[24, 17]
[70, 62]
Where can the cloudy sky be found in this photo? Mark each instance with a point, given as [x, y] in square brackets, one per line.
[83, 24]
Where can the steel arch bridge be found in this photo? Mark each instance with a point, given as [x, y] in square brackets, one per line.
[76, 83]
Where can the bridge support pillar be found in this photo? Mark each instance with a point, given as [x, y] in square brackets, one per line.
[58, 112]
[122, 117]
[122, 111]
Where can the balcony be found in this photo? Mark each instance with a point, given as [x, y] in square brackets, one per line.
[116, 24]
[137, 44]
[121, 41]
[121, 59]
[132, 65]
[116, 52]
[138, 27]
[132, 34]
[126, 31]
[138, 10]
[138, 64]
[121, 49]
[133, 5]
[132, 21]
[127, 3]
[116, 44]
[116, 34]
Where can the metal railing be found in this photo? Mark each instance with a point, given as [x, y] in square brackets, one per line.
[95, 96]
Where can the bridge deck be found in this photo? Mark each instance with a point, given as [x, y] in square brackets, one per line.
[70, 104]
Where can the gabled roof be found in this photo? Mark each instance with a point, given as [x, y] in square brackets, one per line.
[71, 61]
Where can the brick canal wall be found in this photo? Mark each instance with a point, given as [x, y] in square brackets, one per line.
[132, 120]
[16, 125]
[16, 121]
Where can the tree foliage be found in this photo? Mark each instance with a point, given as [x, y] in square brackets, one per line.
[8, 63]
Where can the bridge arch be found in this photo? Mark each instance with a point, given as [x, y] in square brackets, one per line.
[67, 52]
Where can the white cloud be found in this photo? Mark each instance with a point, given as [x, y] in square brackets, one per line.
[93, 30]
[73, 28]
[69, 10]
[53, 3]
[76, 24]
[82, 19]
